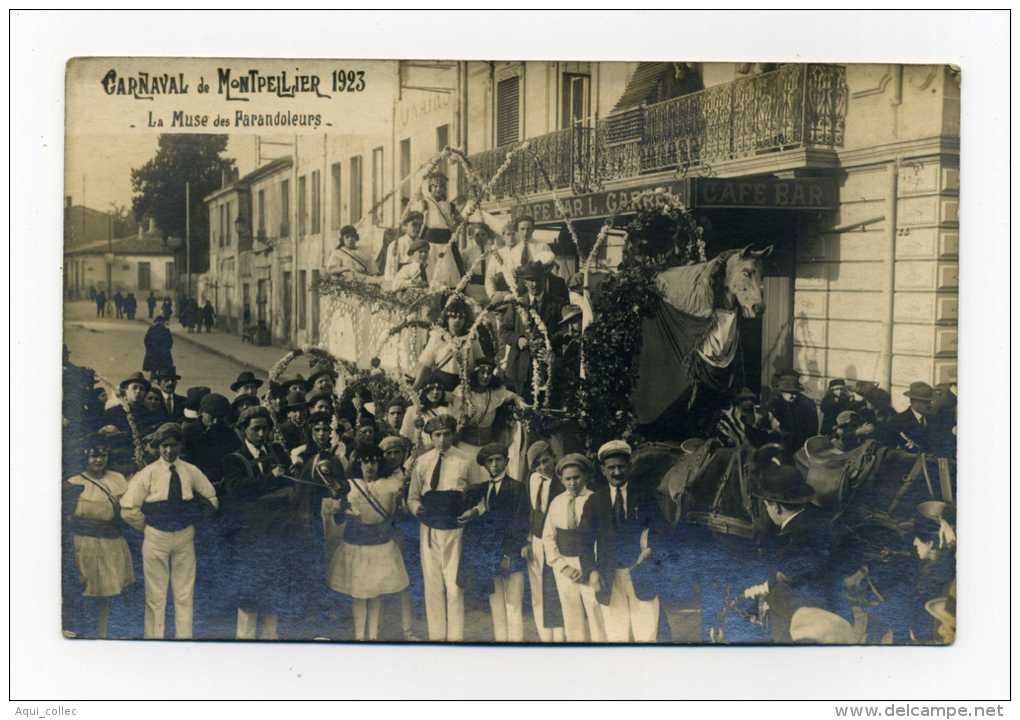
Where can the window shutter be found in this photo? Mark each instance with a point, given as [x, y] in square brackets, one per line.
[508, 111]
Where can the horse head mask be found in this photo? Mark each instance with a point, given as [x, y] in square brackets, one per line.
[743, 280]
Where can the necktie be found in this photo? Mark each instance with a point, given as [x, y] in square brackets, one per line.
[175, 494]
[490, 501]
[618, 509]
[436, 470]
[525, 255]
[571, 518]
[423, 268]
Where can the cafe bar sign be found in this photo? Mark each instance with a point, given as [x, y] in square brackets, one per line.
[699, 193]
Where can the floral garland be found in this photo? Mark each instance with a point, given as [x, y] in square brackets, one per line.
[663, 234]
[136, 436]
[370, 294]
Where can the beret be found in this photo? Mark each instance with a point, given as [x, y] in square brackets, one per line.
[493, 449]
[214, 404]
[167, 431]
[614, 447]
[574, 459]
[536, 451]
[393, 441]
[441, 422]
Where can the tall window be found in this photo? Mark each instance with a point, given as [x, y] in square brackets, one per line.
[508, 111]
[575, 99]
[262, 213]
[315, 305]
[223, 224]
[356, 183]
[336, 199]
[285, 208]
[229, 213]
[168, 277]
[442, 140]
[302, 205]
[302, 306]
[377, 184]
[144, 276]
[405, 172]
[316, 202]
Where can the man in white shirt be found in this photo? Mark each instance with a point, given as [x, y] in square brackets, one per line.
[543, 487]
[521, 251]
[436, 496]
[399, 254]
[563, 539]
[162, 500]
[415, 272]
[346, 259]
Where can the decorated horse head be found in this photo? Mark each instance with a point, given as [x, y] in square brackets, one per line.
[742, 281]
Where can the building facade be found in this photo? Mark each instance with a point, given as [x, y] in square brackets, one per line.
[138, 263]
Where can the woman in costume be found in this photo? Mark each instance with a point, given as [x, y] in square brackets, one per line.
[367, 564]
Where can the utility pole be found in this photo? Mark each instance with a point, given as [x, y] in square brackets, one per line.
[109, 254]
[187, 235]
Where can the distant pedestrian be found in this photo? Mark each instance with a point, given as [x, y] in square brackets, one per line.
[151, 302]
[208, 316]
[118, 302]
[131, 306]
[100, 304]
[168, 308]
[158, 343]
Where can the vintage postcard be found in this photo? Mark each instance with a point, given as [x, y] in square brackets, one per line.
[510, 352]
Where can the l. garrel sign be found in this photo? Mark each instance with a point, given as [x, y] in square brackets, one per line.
[701, 193]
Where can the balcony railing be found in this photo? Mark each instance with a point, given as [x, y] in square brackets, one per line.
[794, 106]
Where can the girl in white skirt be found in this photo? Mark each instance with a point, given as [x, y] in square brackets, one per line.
[92, 515]
[367, 563]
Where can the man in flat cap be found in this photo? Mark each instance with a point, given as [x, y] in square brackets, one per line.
[163, 501]
[564, 542]
[620, 525]
[256, 505]
[437, 497]
[492, 562]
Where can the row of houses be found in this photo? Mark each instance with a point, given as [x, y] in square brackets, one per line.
[850, 172]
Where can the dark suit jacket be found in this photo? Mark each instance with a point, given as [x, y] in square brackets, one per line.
[500, 532]
[905, 422]
[207, 448]
[513, 327]
[609, 546]
[798, 420]
[176, 414]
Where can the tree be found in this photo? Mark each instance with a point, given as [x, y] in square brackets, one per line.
[159, 189]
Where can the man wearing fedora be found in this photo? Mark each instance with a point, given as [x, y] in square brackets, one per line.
[518, 331]
[166, 380]
[912, 430]
[621, 528]
[164, 500]
[795, 547]
[159, 343]
[746, 423]
[836, 400]
[797, 414]
[246, 384]
[115, 421]
[293, 428]
[192, 401]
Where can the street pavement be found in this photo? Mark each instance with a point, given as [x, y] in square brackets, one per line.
[114, 349]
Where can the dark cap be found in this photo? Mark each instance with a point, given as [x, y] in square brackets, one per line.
[215, 405]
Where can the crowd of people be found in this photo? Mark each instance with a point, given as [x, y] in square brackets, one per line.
[272, 502]
[191, 315]
[278, 503]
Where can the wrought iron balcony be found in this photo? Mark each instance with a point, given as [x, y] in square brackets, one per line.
[794, 106]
